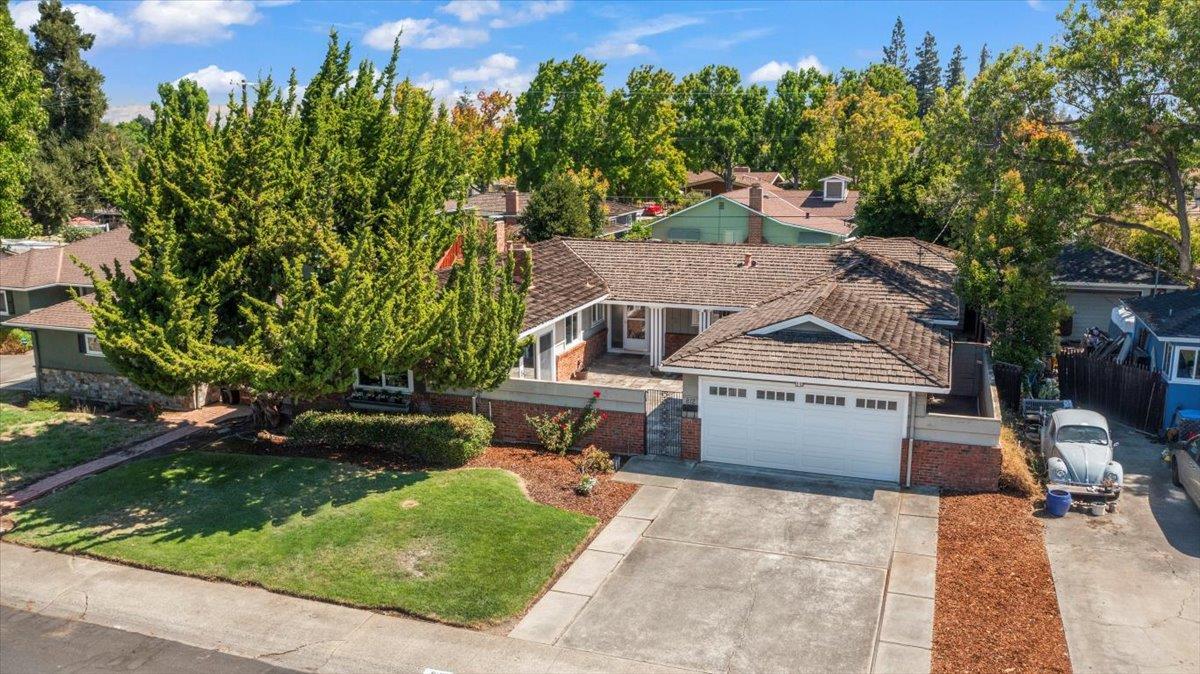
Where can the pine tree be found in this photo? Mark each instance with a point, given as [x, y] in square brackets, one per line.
[984, 55]
[21, 120]
[75, 101]
[956, 72]
[927, 75]
[896, 53]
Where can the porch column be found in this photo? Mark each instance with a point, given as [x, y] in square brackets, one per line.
[705, 319]
[656, 334]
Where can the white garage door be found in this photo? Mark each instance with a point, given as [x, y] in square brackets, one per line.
[851, 432]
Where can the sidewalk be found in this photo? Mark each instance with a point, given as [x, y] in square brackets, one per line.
[280, 630]
[185, 424]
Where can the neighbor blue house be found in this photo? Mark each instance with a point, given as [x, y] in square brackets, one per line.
[1166, 331]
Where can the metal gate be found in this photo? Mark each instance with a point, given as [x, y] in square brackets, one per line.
[664, 409]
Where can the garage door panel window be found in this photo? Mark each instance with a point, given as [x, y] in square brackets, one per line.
[777, 396]
[874, 404]
[819, 399]
[727, 391]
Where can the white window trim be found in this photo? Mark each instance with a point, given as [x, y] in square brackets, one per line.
[1194, 380]
[694, 317]
[598, 313]
[87, 345]
[5, 310]
[407, 388]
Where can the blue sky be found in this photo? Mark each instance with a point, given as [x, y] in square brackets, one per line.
[466, 46]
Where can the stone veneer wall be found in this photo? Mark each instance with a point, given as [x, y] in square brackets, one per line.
[618, 433]
[951, 466]
[114, 389]
[689, 442]
[578, 357]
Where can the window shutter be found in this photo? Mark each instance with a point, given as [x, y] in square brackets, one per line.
[82, 342]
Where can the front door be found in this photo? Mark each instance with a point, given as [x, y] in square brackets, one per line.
[635, 329]
[546, 356]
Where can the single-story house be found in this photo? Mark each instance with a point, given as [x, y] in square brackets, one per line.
[766, 214]
[41, 277]
[1165, 333]
[1095, 280]
[709, 183]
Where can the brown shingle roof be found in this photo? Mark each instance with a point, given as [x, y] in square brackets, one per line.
[908, 249]
[489, 204]
[53, 266]
[797, 207]
[561, 282]
[64, 316]
[897, 349]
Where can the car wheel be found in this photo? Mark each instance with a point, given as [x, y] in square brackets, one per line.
[1175, 473]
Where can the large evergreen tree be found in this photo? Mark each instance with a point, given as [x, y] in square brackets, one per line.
[567, 204]
[75, 101]
[720, 120]
[290, 243]
[956, 71]
[895, 53]
[984, 57]
[927, 75]
[21, 120]
[641, 159]
[559, 119]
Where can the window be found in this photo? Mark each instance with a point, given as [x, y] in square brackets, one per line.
[727, 391]
[694, 317]
[524, 368]
[777, 396]
[683, 234]
[1088, 435]
[718, 315]
[597, 313]
[4, 308]
[835, 190]
[873, 404]
[400, 381]
[571, 328]
[1185, 364]
[91, 345]
[817, 399]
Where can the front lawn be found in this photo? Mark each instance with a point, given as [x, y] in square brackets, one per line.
[463, 546]
[36, 443]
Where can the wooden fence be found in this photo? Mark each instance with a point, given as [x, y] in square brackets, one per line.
[1008, 384]
[1128, 393]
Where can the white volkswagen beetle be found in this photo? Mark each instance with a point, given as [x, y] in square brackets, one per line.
[1079, 453]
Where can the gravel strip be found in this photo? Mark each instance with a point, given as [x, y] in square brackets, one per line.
[996, 610]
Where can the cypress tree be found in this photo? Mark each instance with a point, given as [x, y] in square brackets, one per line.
[75, 101]
[956, 72]
[927, 75]
[984, 55]
[896, 53]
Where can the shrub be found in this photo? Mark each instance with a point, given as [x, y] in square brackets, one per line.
[14, 341]
[595, 460]
[1016, 475]
[73, 234]
[430, 440]
[45, 405]
[558, 432]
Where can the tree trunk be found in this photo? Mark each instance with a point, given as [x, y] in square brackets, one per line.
[267, 410]
[1186, 268]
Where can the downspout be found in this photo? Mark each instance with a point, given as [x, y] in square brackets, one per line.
[912, 423]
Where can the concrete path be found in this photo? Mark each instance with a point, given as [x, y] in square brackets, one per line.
[17, 372]
[724, 569]
[39, 643]
[275, 629]
[185, 423]
[1128, 583]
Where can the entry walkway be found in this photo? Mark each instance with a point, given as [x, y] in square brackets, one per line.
[185, 424]
[280, 630]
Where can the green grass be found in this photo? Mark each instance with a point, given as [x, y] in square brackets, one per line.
[463, 546]
[38, 442]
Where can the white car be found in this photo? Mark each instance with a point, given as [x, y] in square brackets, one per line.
[1079, 453]
[1185, 468]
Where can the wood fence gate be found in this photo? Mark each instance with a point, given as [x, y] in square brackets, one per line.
[1127, 393]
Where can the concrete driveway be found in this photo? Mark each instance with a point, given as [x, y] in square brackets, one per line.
[752, 570]
[17, 371]
[1128, 583]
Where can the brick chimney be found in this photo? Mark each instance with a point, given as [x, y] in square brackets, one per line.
[501, 237]
[512, 206]
[741, 169]
[755, 220]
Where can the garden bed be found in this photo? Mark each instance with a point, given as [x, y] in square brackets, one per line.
[550, 479]
[996, 608]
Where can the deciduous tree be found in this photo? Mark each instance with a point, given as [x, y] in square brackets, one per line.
[559, 119]
[720, 120]
[567, 204]
[21, 120]
[800, 129]
[641, 159]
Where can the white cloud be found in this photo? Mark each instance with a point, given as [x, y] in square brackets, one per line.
[441, 89]
[773, 70]
[490, 68]
[108, 28]
[528, 12]
[1036, 5]
[623, 41]
[124, 113]
[192, 21]
[216, 81]
[470, 10]
[423, 34]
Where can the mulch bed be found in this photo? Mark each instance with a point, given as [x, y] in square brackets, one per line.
[996, 610]
[550, 479]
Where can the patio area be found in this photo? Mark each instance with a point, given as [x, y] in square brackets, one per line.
[632, 371]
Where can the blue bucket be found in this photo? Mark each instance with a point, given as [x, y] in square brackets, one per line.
[1058, 502]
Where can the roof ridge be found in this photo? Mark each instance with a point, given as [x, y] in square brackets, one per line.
[603, 281]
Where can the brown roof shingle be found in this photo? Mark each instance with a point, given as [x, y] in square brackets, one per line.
[561, 282]
[66, 315]
[53, 266]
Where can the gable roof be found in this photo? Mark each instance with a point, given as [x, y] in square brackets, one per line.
[43, 267]
[489, 204]
[740, 178]
[908, 249]
[561, 282]
[793, 207]
[1091, 264]
[1174, 314]
[896, 349]
[66, 315]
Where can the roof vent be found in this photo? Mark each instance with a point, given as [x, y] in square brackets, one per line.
[748, 261]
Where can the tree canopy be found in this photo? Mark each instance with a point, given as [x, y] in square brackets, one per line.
[720, 120]
[22, 118]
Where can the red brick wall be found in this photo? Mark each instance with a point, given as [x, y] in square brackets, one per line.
[580, 356]
[950, 465]
[675, 341]
[690, 438]
[618, 433]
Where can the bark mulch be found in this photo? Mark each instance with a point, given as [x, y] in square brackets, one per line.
[996, 610]
[550, 479]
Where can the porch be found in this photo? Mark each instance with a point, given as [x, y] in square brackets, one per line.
[629, 371]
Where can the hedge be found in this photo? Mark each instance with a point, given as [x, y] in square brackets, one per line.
[429, 440]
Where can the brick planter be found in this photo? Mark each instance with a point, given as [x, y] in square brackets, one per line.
[952, 466]
[689, 442]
